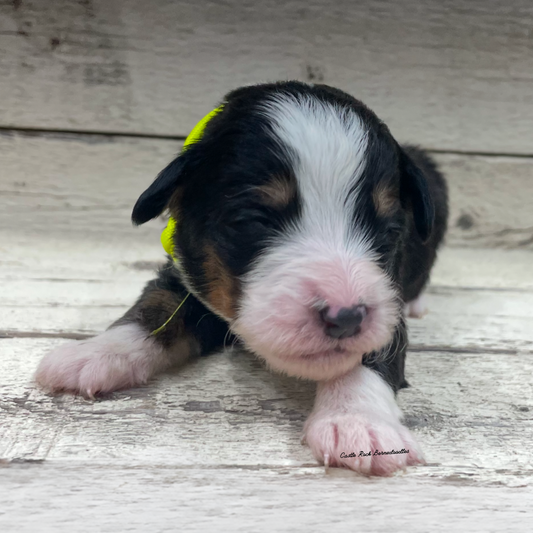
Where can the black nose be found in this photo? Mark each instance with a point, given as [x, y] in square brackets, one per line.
[346, 323]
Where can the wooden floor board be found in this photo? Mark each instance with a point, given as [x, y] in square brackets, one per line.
[107, 497]
[471, 412]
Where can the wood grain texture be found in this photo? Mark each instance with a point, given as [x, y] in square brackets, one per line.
[77, 186]
[107, 497]
[489, 200]
[450, 75]
[471, 413]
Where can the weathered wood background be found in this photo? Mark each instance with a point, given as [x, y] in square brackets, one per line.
[449, 74]
[95, 96]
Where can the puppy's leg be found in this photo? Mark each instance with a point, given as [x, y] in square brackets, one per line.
[356, 416]
[416, 308]
[128, 353]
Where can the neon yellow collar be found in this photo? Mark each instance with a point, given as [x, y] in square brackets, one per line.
[195, 135]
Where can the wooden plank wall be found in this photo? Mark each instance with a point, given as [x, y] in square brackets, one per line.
[454, 77]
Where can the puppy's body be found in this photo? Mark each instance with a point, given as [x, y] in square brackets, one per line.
[303, 228]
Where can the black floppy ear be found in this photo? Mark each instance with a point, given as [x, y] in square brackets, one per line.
[414, 186]
[153, 200]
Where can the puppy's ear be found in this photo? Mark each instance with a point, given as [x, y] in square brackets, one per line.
[414, 186]
[155, 199]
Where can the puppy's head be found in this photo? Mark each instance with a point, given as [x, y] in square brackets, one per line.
[292, 212]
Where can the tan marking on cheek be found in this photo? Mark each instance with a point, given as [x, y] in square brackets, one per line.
[278, 192]
[385, 200]
[222, 288]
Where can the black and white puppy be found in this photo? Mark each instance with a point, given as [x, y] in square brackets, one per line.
[304, 228]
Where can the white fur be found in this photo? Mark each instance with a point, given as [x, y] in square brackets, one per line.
[330, 144]
[323, 260]
[355, 413]
[121, 357]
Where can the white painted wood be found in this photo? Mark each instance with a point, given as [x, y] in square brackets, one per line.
[481, 268]
[449, 75]
[106, 497]
[76, 187]
[471, 413]
[490, 200]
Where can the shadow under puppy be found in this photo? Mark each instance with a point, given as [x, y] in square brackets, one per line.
[299, 225]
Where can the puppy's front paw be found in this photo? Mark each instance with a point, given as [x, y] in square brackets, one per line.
[119, 358]
[353, 441]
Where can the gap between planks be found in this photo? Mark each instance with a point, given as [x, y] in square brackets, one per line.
[80, 133]
[9, 334]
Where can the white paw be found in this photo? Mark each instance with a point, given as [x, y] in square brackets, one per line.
[416, 308]
[333, 437]
[119, 358]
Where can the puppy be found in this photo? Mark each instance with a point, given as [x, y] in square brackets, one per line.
[300, 226]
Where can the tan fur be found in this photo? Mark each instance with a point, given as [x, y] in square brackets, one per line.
[223, 288]
[385, 200]
[278, 192]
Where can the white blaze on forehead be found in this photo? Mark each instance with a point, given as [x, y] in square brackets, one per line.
[324, 258]
[326, 144]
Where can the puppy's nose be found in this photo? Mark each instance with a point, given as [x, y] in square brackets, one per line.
[345, 323]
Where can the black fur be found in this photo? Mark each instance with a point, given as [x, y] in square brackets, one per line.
[207, 189]
[155, 199]
[160, 298]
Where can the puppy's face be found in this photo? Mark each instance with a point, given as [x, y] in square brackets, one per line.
[292, 213]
